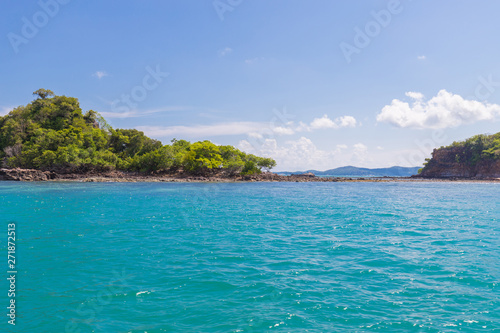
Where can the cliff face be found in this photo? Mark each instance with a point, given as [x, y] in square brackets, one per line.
[449, 162]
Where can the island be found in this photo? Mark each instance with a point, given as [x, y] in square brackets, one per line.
[475, 158]
[51, 138]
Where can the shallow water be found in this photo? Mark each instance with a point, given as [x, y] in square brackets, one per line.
[254, 257]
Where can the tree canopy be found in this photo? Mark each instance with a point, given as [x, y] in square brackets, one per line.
[53, 133]
[470, 152]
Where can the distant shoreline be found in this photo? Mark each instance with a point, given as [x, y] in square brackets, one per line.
[129, 177]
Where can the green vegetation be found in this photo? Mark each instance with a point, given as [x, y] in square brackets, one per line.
[473, 150]
[52, 133]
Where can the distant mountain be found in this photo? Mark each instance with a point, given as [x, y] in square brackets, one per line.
[351, 171]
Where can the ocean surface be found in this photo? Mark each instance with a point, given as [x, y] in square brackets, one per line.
[253, 257]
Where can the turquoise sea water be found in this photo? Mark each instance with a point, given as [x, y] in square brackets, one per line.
[253, 257]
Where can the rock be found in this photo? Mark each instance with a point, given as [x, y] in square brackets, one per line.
[18, 174]
[307, 174]
[445, 164]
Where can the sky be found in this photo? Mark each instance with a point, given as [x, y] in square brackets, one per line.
[315, 85]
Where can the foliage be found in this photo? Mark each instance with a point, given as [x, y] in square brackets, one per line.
[468, 153]
[476, 148]
[52, 133]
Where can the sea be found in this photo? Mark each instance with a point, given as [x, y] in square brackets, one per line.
[251, 257]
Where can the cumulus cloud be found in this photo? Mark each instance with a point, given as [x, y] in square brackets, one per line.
[421, 57]
[346, 121]
[100, 74]
[415, 95]
[302, 154]
[256, 130]
[291, 127]
[326, 122]
[283, 130]
[441, 111]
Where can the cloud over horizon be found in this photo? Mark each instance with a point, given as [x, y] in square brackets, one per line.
[229, 128]
[302, 154]
[250, 128]
[441, 111]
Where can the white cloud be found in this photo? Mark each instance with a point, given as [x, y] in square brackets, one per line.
[5, 110]
[318, 123]
[225, 51]
[283, 130]
[415, 95]
[230, 128]
[100, 74]
[359, 154]
[421, 57]
[346, 121]
[326, 122]
[141, 113]
[257, 130]
[441, 111]
[360, 148]
[302, 154]
[323, 122]
[294, 155]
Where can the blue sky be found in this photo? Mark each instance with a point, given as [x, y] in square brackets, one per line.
[316, 84]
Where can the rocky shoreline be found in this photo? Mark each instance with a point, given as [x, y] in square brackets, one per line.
[119, 176]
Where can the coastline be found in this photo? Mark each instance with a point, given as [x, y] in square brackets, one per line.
[31, 175]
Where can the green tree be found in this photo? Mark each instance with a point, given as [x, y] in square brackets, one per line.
[43, 93]
[53, 133]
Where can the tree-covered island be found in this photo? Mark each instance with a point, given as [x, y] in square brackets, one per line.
[477, 157]
[53, 134]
